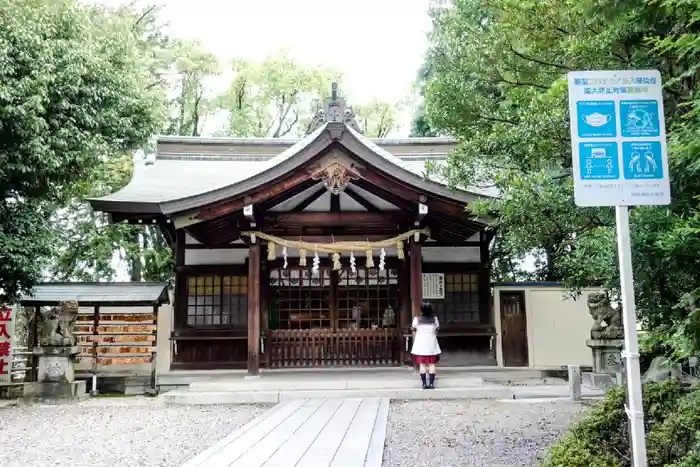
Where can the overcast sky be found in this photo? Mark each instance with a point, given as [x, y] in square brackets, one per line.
[378, 45]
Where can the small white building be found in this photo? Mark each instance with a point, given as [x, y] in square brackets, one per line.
[539, 325]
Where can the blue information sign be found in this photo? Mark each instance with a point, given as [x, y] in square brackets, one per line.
[643, 160]
[639, 118]
[618, 138]
[599, 161]
[596, 119]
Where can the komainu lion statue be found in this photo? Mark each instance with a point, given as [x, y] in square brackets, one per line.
[607, 320]
[56, 325]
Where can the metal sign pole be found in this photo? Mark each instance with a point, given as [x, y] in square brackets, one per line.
[619, 153]
[634, 408]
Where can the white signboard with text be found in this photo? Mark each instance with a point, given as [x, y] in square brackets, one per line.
[433, 286]
[6, 336]
[618, 138]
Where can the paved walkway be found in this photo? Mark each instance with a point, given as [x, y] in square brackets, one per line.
[306, 433]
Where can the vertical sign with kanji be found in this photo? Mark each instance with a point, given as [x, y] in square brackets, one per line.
[6, 335]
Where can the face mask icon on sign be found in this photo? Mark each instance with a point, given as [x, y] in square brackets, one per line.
[596, 119]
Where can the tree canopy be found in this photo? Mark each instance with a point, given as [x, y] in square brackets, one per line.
[74, 94]
[83, 90]
[497, 82]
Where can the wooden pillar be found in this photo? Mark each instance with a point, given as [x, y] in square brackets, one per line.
[485, 314]
[416, 277]
[333, 298]
[264, 311]
[254, 308]
[404, 318]
[180, 295]
[154, 349]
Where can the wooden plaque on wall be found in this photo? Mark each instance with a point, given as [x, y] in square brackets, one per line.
[433, 286]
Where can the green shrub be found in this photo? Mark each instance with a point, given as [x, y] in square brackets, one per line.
[691, 460]
[574, 452]
[670, 442]
[600, 438]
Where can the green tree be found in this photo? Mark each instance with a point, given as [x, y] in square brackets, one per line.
[275, 97]
[193, 67]
[420, 126]
[74, 94]
[497, 82]
[377, 119]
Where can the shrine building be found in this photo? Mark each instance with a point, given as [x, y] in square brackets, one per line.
[315, 252]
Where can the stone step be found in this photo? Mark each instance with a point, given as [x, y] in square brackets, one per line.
[180, 378]
[307, 384]
[183, 396]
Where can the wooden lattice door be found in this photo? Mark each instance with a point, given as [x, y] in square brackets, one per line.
[333, 317]
[513, 328]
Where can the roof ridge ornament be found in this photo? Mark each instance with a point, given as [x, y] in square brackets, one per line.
[334, 110]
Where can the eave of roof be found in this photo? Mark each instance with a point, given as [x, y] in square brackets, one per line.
[98, 293]
[153, 193]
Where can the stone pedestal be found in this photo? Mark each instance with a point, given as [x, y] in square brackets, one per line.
[607, 363]
[56, 375]
[607, 355]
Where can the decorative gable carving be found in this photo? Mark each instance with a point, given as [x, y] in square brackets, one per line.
[336, 171]
[336, 177]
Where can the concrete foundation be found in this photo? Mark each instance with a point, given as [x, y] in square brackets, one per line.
[74, 391]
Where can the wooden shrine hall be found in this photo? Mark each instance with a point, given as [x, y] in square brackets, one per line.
[315, 252]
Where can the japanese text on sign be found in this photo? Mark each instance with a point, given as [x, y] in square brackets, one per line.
[433, 286]
[6, 333]
[618, 138]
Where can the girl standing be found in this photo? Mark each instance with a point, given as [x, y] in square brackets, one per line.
[426, 350]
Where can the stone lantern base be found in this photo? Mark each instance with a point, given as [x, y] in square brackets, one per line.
[56, 376]
[607, 363]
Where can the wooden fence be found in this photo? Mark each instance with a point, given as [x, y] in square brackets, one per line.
[325, 347]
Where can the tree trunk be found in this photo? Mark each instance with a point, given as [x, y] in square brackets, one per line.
[134, 257]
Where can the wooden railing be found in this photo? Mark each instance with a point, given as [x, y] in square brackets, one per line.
[325, 347]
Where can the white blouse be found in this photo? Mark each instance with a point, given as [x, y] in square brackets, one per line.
[425, 341]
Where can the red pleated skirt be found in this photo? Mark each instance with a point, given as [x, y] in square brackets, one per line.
[425, 359]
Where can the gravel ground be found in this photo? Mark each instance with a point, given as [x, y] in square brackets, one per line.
[474, 433]
[110, 432]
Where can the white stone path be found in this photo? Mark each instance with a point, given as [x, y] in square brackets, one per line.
[306, 433]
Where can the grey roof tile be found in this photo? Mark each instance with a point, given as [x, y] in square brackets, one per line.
[96, 293]
[173, 178]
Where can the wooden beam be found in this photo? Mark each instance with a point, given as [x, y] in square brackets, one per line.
[249, 214]
[338, 238]
[310, 199]
[333, 218]
[284, 196]
[254, 309]
[416, 277]
[422, 212]
[457, 227]
[267, 192]
[485, 313]
[335, 203]
[360, 200]
[449, 207]
[228, 246]
[401, 203]
[180, 306]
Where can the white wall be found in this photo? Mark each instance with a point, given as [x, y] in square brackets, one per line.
[557, 326]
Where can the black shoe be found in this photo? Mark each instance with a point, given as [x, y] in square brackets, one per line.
[425, 386]
[431, 386]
